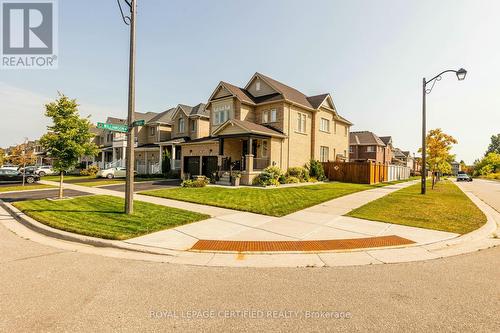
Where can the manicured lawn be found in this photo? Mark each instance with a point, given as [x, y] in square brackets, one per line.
[92, 181]
[445, 208]
[24, 188]
[274, 202]
[102, 216]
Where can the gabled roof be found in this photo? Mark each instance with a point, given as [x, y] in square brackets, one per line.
[317, 100]
[164, 117]
[365, 138]
[137, 116]
[239, 93]
[199, 111]
[250, 127]
[398, 153]
[289, 93]
[386, 139]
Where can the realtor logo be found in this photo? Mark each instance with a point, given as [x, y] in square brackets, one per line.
[29, 34]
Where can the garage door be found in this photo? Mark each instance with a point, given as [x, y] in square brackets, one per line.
[192, 165]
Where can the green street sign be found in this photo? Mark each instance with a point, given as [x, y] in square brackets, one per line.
[113, 127]
[138, 123]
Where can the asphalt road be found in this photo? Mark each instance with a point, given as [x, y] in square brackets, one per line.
[48, 289]
[486, 190]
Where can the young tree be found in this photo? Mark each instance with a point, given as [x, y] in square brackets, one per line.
[68, 138]
[439, 145]
[488, 164]
[22, 155]
[494, 146]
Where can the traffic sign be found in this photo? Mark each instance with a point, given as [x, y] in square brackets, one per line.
[138, 123]
[113, 127]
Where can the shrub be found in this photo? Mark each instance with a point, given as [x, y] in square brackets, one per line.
[316, 170]
[90, 171]
[274, 171]
[298, 172]
[282, 179]
[200, 182]
[292, 180]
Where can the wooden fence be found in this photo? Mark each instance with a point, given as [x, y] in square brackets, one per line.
[364, 172]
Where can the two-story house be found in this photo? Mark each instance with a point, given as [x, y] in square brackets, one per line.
[265, 123]
[367, 146]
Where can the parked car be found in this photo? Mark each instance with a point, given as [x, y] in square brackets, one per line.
[14, 176]
[28, 169]
[463, 177]
[111, 173]
[10, 167]
[44, 170]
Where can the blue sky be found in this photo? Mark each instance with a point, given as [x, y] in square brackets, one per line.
[370, 55]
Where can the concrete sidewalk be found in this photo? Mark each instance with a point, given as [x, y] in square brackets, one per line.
[169, 246]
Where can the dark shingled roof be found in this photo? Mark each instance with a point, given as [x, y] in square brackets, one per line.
[253, 127]
[386, 139]
[289, 93]
[317, 100]
[199, 110]
[163, 117]
[240, 93]
[365, 138]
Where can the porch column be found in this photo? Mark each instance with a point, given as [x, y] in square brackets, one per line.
[114, 154]
[172, 158]
[123, 153]
[160, 162]
[146, 161]
[102, 157]
[201, 166]
[249, 163]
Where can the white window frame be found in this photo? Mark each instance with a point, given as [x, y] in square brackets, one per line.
[152, 131]
[265, 148]
[301, 122]
[181, 124]
[351, 149]
[273, 116]
[324, 153]
[221, 114]
[324, 125]
[371, 149]
[265, 116]
[193, 125]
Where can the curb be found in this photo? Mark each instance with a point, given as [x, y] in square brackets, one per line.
[45, 230]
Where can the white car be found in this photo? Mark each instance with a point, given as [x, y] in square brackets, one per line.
[9, 167]
[44, 170]
[113, 173]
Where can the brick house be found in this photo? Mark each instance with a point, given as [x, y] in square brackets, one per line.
[367, 146]
[265, 123]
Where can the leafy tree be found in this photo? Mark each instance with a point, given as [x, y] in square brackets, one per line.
[165, 165]
[22, 155]
[439, 145]
[488, 164]
[2, 156]
[494, 146]
[69, 136]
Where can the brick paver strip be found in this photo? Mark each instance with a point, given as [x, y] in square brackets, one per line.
[306, 245]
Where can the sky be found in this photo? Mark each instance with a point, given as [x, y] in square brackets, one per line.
[370, 56]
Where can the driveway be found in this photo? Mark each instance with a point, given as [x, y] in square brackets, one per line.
[146, 185]
[486, 190]
[35, 195]
[53, 290]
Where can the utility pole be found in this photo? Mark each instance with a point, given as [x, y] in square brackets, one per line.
[129, 182]
[423, 187]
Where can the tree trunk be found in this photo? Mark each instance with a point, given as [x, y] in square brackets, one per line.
[433, 179]
[61, 178]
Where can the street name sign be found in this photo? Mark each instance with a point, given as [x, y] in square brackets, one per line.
[113, 127]
[138, 123]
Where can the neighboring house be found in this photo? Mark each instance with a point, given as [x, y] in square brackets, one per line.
[265, 123]
[398, 157]
[367, 146]
[455, 168]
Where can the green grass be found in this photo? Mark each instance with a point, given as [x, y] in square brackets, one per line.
[102, 216]
[92, 181]
[274, 202]
[24, 188]
[446, 208]
[55, 178]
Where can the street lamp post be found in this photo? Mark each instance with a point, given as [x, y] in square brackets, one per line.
[129, 181]
[461, 73]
